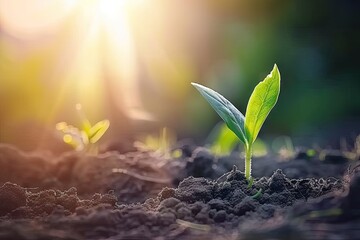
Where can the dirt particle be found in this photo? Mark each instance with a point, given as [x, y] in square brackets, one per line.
[277, 181]
[110, 199]
[166, 193]
[183, 212]
[246, 205]
[12, 196]
[196, 207]
[220, 216]
[217, 204]
[194, 189]
[167, 218]
[169, 203]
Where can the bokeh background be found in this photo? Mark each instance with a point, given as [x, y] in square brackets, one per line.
[132, 61]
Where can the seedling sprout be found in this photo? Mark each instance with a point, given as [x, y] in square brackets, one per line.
[246, 128]
[84, 137]
[160, 144]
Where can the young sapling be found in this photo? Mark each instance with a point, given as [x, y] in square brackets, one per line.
[246, 128]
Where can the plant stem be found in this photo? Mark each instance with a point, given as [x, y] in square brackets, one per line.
[248, 153]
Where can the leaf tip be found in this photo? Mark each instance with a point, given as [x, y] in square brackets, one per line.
[107, 122]
[195, 84]
[275, 71]
[200, 87]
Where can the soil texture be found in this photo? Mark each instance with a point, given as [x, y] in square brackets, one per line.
[139, 195]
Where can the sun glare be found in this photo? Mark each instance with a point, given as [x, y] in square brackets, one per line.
[93, 52]
[112, 53]
[95, 46]
[31, 19]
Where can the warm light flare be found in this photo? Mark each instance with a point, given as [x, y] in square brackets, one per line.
[95, 52]
[99, 45]
[33, 19]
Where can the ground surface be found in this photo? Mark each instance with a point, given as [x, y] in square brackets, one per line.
[139, 195]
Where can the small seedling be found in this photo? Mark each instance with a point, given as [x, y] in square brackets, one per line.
[160, 144]
[262, 100]
[86, 136]
[224, 141]
[311, 153]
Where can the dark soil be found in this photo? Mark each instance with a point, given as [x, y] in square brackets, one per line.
[89, 174]
[138, 195]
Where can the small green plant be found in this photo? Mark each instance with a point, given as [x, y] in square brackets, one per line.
[224, 141]
[160, 144]
[262, 100]
[86, 136]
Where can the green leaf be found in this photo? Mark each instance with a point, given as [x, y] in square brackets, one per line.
[233, 118]
[85, 123]
[98, 130]
[262, 100]
[224, 142]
